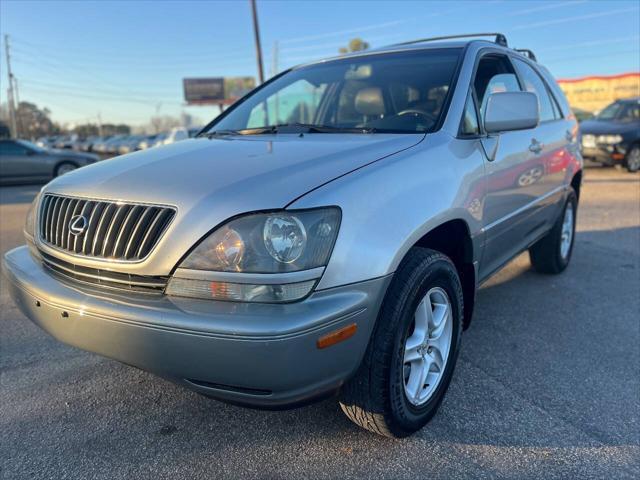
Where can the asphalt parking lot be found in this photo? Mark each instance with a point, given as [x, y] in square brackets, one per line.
[547, 385]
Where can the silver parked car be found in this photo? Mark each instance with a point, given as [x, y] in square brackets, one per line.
[23, 161]
[326, 234]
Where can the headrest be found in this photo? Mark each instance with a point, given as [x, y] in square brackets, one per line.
[369, 101]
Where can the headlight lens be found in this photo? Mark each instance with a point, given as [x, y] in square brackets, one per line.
[278, 243]
[30, 221]
[609, 139]
[269, 243]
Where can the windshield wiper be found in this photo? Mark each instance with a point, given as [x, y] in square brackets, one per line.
[295, 127]
[217, 133]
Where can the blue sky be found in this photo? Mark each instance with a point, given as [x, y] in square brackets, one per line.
[126, 59]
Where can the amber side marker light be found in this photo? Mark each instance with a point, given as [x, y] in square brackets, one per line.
[337, 336]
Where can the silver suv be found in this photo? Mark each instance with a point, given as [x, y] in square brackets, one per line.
[327, 233]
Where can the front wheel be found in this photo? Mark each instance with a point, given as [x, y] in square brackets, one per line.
[551, 254]
[413, 350]
[632, 160]
[64, 167]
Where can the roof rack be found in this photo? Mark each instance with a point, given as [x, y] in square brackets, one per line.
[527, 53]
[500, 38]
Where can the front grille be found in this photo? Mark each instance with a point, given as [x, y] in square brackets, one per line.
[112, 230]
[104, 278]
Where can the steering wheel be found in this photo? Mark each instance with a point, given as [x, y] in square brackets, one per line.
[416, 111]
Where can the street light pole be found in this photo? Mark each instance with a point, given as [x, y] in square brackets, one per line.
[12, 107]
[256, 31]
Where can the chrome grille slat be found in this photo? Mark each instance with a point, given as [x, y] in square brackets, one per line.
[105, 278]
[91, 230]
[138, 230]
[114, 230]
[148, 241]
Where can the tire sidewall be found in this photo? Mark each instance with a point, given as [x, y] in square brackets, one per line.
[407, 417]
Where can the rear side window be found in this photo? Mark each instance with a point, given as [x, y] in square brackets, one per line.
[533, 83]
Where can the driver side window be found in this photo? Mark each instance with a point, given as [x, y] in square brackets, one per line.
[494, 74]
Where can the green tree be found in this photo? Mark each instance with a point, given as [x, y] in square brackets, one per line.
[355, 45]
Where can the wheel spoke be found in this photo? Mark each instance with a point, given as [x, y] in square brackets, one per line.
[417, 377]
[411, 354]
[423, 320]
[440, 314]
[436, 357]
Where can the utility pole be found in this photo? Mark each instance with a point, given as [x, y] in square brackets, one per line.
[256, 31]
[99, 124]
[12, 107]
[19, 124]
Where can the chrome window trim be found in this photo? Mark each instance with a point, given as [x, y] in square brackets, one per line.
[251, 278]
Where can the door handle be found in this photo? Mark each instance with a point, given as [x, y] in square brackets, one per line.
[536, 146]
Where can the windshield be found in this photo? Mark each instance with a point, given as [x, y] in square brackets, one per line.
[610, 112]
[32, 146]
[398, 92]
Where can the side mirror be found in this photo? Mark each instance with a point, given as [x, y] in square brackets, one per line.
[508, 111]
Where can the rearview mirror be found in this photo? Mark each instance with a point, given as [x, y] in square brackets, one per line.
[508, 111]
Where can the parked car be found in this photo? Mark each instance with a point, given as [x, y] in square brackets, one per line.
[100, 144]
[333, 243]
[175, 135]
[66, 142]
[151, 141]
[129, 144]
[86, 145]
[23, 161]
[613, 136]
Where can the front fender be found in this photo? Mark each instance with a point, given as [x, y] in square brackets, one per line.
[388, 206]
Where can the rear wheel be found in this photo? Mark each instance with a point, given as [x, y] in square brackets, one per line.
[64, 167]
[632, 160]
[552, 253]
[413, 350]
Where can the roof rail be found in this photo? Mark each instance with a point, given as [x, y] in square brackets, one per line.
[500, 38]
[527, 53]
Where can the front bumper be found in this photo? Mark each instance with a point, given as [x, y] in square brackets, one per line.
[607, 154]
[253, 354]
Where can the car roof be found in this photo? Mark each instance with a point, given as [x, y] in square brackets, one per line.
[417, 46]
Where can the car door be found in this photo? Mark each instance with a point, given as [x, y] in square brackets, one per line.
[12, 160]
[551, 142]
[18, 161]
[507, 159]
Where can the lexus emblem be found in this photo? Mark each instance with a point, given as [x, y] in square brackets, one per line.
[77, 225]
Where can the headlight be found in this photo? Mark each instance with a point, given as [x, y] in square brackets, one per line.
[264, 257]
[609, 139]
[30, 221]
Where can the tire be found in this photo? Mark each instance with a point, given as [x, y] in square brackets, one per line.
[632, 160]
[377, 398]
[64, 167]
[549, 254]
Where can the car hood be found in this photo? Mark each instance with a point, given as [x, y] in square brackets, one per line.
[211, 180]
[607, 127]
